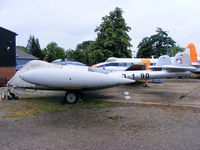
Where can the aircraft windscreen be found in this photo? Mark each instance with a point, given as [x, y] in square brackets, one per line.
[99, 70]
[69, 63]
[111, 59]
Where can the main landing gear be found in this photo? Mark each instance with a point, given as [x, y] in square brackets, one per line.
[71, 97]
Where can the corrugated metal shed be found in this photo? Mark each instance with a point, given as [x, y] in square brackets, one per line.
[23, 55]
[7, 48]
[7, 55]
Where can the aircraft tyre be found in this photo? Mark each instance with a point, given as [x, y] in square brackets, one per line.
[11, 96]
[71, 97]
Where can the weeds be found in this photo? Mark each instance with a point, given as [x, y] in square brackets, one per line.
[53, 104]
[115, 117]
[182, 96]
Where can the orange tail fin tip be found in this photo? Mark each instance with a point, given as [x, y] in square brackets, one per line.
[147, 61]
[193, 52]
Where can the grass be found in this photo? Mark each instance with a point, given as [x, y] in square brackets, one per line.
[115, 117]
[52, 104]
[92, 116]
[189, 92]
[182, 96]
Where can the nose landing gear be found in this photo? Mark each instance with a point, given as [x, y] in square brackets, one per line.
[11, 96]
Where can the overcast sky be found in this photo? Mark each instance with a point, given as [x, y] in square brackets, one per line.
[70, 22]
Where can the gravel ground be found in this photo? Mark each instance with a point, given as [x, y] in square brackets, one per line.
[124, 126]
[176, 92]
[137, 127]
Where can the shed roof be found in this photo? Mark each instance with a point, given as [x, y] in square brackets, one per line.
[1, 28]
[24, 55]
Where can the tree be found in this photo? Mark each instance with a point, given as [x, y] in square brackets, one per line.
[53, 52]
[99, 56]
[155, 45]
[174, 50]
[85, 50]
[69, 54]
[112, 36]
[33, 47]
[145, 48]
[82, 53]
[112, 40]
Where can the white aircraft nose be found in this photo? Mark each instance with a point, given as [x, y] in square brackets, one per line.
[27, 76]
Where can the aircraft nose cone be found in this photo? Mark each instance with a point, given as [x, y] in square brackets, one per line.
[27, 76]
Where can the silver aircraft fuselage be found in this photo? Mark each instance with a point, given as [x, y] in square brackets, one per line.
[146, 74]
[72, 78]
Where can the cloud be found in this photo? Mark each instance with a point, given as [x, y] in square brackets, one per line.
[69, 22]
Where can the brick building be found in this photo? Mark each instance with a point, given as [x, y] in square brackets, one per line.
[7, 54]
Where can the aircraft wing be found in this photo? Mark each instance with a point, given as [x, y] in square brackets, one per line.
[196, 65]
[155, 68]
[173, 68]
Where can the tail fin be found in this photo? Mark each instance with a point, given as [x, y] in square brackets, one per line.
[180, 63]
[182, 59]
[163, 60]
[147, 62]
[191, 50]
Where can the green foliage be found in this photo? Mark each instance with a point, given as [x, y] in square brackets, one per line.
[182, 96]
[112, 36]
[174, 50]
[157, 45]
[85, 51]
[115, 117]
[112, 40]
[69, 54]
[22, 48]
[79, 55]
[53, 52]
[82, 53]
[145, 48]
[84, 45]
[86, 54]
[100, 55]
[33, 47]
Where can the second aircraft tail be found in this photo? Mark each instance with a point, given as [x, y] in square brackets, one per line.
[191, 50]
[181, 62]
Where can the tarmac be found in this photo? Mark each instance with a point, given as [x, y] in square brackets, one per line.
[173, 92]
[160, 116]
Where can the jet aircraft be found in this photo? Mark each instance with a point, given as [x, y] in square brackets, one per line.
[40, 75]
[181, 66]
[120, 64]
